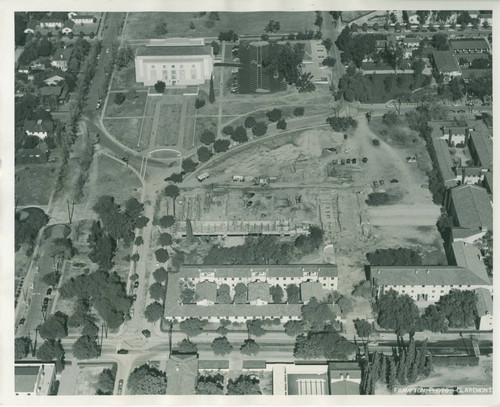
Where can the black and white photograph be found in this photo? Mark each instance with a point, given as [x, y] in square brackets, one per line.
[273, 202]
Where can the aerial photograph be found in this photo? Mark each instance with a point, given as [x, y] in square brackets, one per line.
[269, 203]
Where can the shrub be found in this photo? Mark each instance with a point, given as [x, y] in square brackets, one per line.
[199, 103]
[221, 145]
[281, 124]
[298, 111]
[250, 122]
[204, 154]
[240, 135]
[207, 137]
[160, 86]
[228, 130]
[274, 115]
[119, 98]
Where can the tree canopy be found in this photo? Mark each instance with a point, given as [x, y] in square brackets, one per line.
[394, 257]
[21, 347]
[397, 312]
[459, 308]
[221, 346]
[192, 326]
[157, 291]
[54, 327]
[147, 380]
[86, 348]
[328, 345]
[316, 314]
[153, 311]
[250, 347]
[243, 385]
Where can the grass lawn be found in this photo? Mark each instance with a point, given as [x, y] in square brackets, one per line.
[129, 108]
[205, 123]
[88, 376]
[168, 125]
[124, 79]
[139, 25]
[187, 142]
[401, 83]
[126, 131]
[147, 127]
[34, 183]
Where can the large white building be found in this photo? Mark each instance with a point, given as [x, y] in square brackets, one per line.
[311, 280]
[427, 284]
[177, 62]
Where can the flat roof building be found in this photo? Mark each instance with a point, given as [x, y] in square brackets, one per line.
[177, 62]
[34, 379]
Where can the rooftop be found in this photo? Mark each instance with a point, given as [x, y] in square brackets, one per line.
[62, 54]
[51, 90]
[174, 309]
[469, 257]
[484, 303]
[484, 148]
[344, 387]
[174, 50]
[182, 374]
[469, 43]
[444, 159]
[472, 206]
[26, 378]
[426, 275]
[488, 179]
[445, 61]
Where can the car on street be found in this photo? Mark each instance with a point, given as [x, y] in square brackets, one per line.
[146, 333]
[120, 387]
[22, 321]
[353, 161]
[136, 284]
[134, 297]
[348, 161]
[46, 301]
[122, 351]
[49, 291]
[394, 181]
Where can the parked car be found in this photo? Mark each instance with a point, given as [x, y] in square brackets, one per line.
[146, 333]
[46, 301]
[348, 161]
[381, 182]
[136, 284]
[353, 161]
[134, 297]
[364, 159]
[122, 352]
[49, 290]
[342, 161]
[375, 184]
[22, 321]
[394, 181]
[120, 387]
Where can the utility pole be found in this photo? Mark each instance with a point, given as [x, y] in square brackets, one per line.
[33, 353]
[70, 212]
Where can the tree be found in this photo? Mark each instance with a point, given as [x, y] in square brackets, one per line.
[211, 95]
[224, 294]
[204, 154]
[51, 350]
[259, 129]
[240, 293]
[363, 328]
[166, 221]
[162, 255]
[209, 387]
[160, 275]
[459, 308]
[292, 294]
[189, 165]
[324, 345]
[221, 346]
[160, 28]
[243, 385]
[276, 293]
[250, 122]
[240, 135]
[199, 103]
[54, 327]
[274, 115]
[345, 305]
[21, 347]
[153, 311]
[229, 36]
[139, 241]
[363, 289]
[147, 380]
[433, 320]
[228, 130]
[316, 314]
[119, 98]
[272, 26]
[250, 347]
[397, 312]
[221, 145]
[187, 295]
[192, 326]
[106, 382]
[390, 118]
[327, 43]
[294, 328]
[160, 86]
[422, 16]
[186, 346]
[440, 42]
[376, 27]
[207, 137]
[329, 61]
[394, 257]
[157, 291]
[254, 327]
[298, 111]
[61, 248]
[86, 347]
[165, 239]
[304, 83]
[480, 63]
[175, 177]
[216, 47]
[90, 329]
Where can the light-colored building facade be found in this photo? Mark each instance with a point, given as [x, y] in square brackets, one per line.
[484, 307]
[175, 62]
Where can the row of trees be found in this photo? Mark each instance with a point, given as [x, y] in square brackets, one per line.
[214, 384]
[266, 250]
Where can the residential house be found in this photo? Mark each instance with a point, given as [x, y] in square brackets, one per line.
[53, 80]
[481, 149]
[23, 69]
[51, 96]
[258, 279]
[31, 26]
[445, 63]
[39, 128]
[34, 379]
[484, 308]
[471, 175]
[469, 46]
[61, 57]
[68, 27]
[410, 43]
[37, 66]
[345, 378]
[179, 62]
[182, 374]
